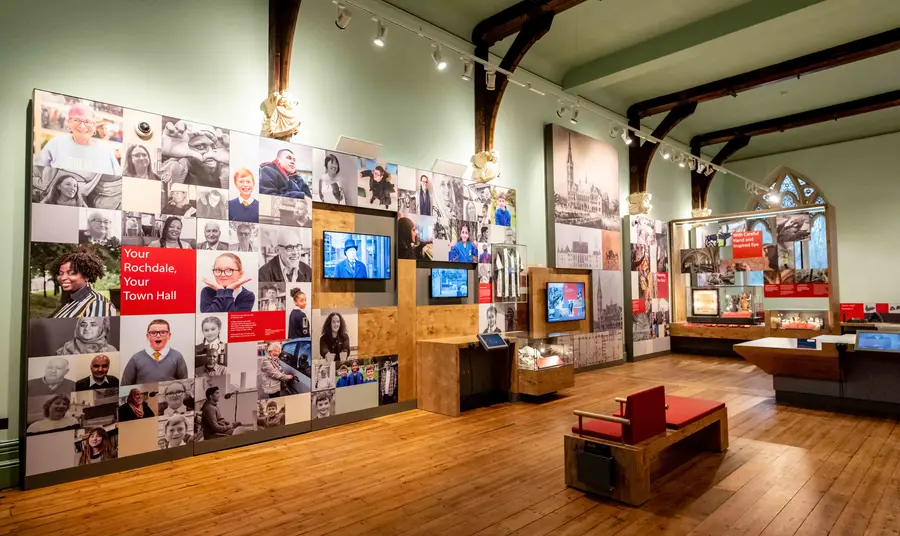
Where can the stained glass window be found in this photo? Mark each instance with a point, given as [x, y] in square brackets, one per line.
[808, 192]
[818, 248]
[820, 201]
[788, 201]
[787, 185]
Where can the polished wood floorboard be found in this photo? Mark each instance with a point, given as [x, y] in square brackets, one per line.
[499, 471]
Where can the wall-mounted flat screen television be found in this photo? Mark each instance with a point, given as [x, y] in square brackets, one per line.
[704, 302]
[449, 283]
[565, 302]
[356, 256]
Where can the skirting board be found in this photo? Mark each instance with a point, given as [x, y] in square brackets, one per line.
[651, 356]
[204, 447]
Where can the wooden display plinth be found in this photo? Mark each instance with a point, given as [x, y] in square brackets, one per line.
[781, 357]
[545, 381]
[703, 331]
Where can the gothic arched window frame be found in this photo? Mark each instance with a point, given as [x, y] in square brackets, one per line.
[801, 190]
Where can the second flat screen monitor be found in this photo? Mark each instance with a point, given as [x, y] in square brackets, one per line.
[565, 301]
[356, 256]
[449, 283]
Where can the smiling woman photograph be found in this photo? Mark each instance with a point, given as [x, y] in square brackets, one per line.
[66, 188]
[96, 447]
[139, 164]
[75, 272]
[170, 237]
[334, 344]
[80, 149]
[55, 409]
[225, 292]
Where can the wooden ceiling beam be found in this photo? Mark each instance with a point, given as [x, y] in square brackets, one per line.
[853, 51]
[512, 19]
[700, 181]
[802, 119]
[283, 16]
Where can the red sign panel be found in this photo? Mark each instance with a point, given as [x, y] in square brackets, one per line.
[256, 326]
[662, 285]
[798, 290]
[638, 306]
[158, 281]
[484, 292]
[852, 311]
[747, 244]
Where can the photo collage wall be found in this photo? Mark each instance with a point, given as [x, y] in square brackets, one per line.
[450, 219]
[170, 269]
[649, 285]
[583, 182]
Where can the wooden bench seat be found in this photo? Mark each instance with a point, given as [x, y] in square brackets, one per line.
[601, 458]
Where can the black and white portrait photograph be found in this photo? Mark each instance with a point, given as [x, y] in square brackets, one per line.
[177, 232]
[285, 254]
[786, 256]
[715, 279]
[335, 334]
[377, 184]
[211, 348]
[175, 431]
[662, 250]
[290, 211]
[484, 273]
[491, 317]
[51, 375]
[212, 203]
[77, 134]
[770, 252]
[224, 409]
[244, 236]
[96, 444]
[388, 379]
[585, 180]
[272, 297]
[270, 413]
[424, 193]
[213, 235]
[792, 227]
[176, 398]
[56, 186]
[141, 161]
[194, 153]
[100, 227]
[447, 201]
[334, 178]
[407, 201]
[323, 374]
[608, 300]
[73, 336]
[698, 260]
[179, 199]
[323, 404]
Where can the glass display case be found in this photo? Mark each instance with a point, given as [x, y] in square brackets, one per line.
[508, 273]
[727, 304]
[797, 319]
[544, 364]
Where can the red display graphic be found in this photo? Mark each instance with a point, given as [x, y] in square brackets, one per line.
[638, 306]
[662, 285]
[256, 326]
[484, 292]
[798, 290]
[158, 281]
[747, 244]
[852, 311]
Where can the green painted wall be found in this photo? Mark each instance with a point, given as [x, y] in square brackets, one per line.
[861, 178]
[206, 60]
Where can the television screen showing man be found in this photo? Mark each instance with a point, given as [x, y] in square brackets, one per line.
[356, 256]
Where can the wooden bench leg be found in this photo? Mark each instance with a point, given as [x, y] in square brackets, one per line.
[715, 436]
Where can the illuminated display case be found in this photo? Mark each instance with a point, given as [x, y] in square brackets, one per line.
[797, 322]
[545, 364]
[733, 304]
[508, 273]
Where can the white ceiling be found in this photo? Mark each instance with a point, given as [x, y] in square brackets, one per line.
[601, 28]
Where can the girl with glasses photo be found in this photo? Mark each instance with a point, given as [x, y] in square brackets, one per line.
[225, 293]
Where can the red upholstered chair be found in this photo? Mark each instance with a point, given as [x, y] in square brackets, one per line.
[644, 417]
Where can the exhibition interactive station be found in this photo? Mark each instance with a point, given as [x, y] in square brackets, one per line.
[194, 289]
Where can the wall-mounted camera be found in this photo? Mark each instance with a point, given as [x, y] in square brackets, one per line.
[144, 130]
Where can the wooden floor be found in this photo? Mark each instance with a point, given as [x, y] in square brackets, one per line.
[499, 471]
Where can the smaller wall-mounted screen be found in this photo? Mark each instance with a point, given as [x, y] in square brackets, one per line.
[449, 282]
[704, 302]
[565, 301]
[356, 256]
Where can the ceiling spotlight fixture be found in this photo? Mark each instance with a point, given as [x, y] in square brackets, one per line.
[710, 171]
[436, 56]
[490, 80]
[626, 137]
[772, 197]
[343, 17]
[701, 167]
[563, 110]
[692, 164]
[666, 152]
[615, 130]
[468, 69]
[380, 33]
[678, 158]
[574, 118]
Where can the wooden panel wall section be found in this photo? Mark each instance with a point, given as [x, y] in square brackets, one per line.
[537, 296]
[327, 293]
[438, 321]
[378, 331]
[406, 328]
